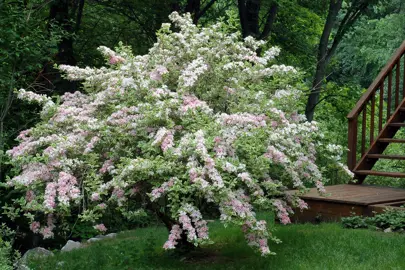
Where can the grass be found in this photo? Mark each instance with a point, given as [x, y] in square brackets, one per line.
[305, 246]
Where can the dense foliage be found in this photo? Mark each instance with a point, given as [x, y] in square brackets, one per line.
[36, 37]
[25, 44]
[391, 220]
[201, 119]
[6, 252]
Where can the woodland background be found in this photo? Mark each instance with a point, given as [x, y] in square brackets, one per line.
[339, 46]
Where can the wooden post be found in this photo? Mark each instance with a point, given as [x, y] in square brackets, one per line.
[352, 138]
[381, 108]
[397, 71]
[389, 95]
[372, 119]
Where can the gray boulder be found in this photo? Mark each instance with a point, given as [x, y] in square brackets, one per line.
[71, 245]
[94, 239]
[32, 254]
[101, 237]
[111, 235]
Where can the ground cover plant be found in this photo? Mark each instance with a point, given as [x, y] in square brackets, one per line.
[305, 246]
[392, 219]
[200, 121]
[7, 255]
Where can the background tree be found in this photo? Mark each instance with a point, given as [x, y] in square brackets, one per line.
[352, 11]
[24, 45]
[369, 45]
[249, 14]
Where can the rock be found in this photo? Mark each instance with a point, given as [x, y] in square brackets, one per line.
[388, 230]
[92, 240]
[31, 254]
[111, 235]
[101, 237]
[71, 245]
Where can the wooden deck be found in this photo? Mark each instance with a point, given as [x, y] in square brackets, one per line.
[343, 200]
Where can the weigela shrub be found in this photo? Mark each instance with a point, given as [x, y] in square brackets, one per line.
[201, 119]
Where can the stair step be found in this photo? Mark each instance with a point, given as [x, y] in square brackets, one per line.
[378, 156]
[377, 173]
[397, 124]
[387, 140]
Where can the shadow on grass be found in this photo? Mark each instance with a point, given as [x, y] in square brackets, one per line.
[324, 246]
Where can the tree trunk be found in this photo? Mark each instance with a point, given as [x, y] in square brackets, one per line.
[5, 108]
[184, 246]
[317, 84]
[323, 58]
[269, 22]
[61, 13]
[249, 17]
[193, 7]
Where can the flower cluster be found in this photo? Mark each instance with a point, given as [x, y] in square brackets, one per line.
[181, 125]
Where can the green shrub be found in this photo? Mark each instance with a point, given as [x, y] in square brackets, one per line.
[354, 222]
[5, 262]
[391, 219]
[6, 254]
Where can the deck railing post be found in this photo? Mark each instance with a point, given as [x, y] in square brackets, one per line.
[370, 153]
[352, 140]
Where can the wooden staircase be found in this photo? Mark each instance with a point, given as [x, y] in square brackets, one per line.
[376, 119]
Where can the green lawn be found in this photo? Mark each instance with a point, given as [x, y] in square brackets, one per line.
[325, 246]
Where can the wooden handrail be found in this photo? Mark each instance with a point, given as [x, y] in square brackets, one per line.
[376, 83]
[364, 113]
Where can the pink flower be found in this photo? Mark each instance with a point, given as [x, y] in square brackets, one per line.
[118, 192]
[193, 174]
[275, 155]
[108, 165]
[114, 59]
[158, 192]
[244, 120]
[47, 232]
[187, 226]
[134, 191]
[192, 103]
[157, 73]
[100, 227]
[165, 138]
[209, 163]
[95, 197]
[67, 189]
[29, 196]
[282, 211]
[168, 141]
[50, 194]
[175, 234]
[245, 177]
[102, 206]
[34, 227]
[229, 90]
[320, 187]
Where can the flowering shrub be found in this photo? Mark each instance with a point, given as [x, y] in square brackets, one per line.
[200, 119]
